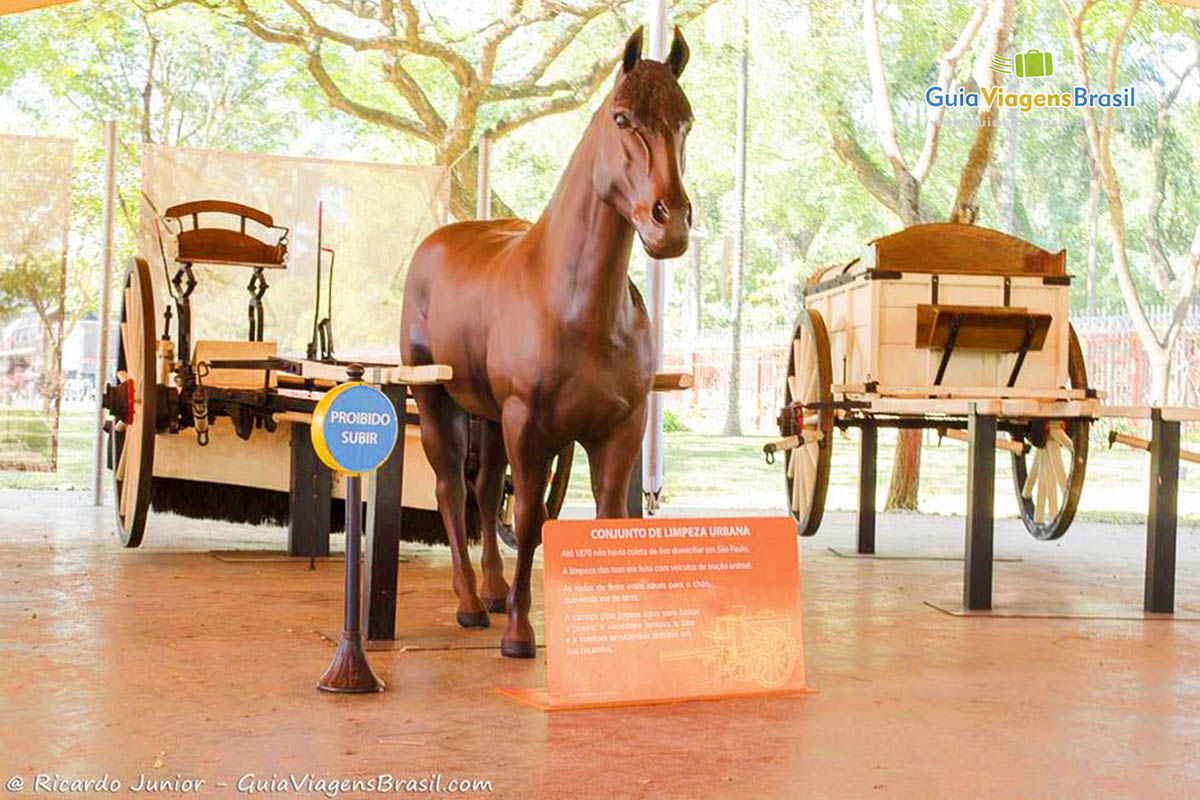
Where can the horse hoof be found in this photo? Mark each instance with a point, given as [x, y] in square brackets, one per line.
[495, 606]
[475, 619]
[517, 649]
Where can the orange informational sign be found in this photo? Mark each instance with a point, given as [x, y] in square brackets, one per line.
[658, 610]
[15, 6]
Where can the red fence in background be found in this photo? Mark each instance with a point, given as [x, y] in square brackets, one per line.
[1116, 363]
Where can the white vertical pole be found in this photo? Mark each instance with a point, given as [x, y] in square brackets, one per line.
[657, 27]
[106, 275]
[483, 178]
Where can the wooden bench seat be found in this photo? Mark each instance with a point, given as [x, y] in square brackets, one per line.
[999, 328]
[201, 244]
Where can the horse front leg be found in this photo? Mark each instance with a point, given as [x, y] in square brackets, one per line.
[530, 459]
[489, 486]
[444, 438]
[611, 461]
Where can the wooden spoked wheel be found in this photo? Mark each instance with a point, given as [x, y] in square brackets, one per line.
[131, 402]
[808, 413]
[556, 493]
[1048, 476]
[774, 658]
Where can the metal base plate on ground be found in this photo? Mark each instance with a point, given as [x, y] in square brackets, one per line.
[269, 557]
[848, 553]
[1062, 608]
[274, 557]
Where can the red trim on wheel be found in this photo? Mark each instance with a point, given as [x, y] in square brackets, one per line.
[129, 402]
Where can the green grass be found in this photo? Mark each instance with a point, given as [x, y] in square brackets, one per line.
[75, 436]
[713, 471]
[25, 436]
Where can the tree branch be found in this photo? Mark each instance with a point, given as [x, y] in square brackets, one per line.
[851, 153]
[1161, 264]
[947, 64]
[579, 95]
[1100, 147]
[338, 99]
[885, 121]
[1000, 20]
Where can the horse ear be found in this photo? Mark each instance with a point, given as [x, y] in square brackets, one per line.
[678, 57]
[633, 51]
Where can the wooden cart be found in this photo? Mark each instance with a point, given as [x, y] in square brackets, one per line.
[927, 326]
[219, 429]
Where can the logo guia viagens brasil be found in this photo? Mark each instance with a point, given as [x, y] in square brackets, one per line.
[1032, 64]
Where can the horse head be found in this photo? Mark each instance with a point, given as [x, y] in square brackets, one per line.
[642, 127]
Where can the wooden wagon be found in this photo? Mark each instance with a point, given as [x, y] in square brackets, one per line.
[219, 429]
[924, 328]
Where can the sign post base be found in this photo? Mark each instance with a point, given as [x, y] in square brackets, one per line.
[349, 672]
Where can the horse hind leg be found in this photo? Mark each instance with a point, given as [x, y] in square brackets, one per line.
[444, 439]
[489, 487]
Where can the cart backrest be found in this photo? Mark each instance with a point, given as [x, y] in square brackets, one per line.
[949, 247]
[227, 246]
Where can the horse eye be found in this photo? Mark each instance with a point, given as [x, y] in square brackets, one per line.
[621, 120]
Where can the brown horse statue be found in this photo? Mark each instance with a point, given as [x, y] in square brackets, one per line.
[549, 339]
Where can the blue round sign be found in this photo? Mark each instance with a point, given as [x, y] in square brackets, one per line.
[354, 428]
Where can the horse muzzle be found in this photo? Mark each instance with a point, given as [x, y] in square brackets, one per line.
[664, 233]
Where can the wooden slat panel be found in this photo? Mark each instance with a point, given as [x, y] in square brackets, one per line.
[229, 350]
[1000, 408]
[262, 462]
[884, 390]
[1169, 413]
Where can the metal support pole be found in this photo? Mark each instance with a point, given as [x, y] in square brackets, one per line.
[1161, 518]
[105, 311]
[483, 178]
[981, 486]
[651, 482]
[310, 486]
[633, 499]
[867, 450]
[384, 511]
[349, 672]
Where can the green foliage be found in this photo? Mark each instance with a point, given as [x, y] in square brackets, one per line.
[214, 85]
[672, 423]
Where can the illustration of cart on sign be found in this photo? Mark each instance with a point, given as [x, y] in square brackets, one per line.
[751, 648]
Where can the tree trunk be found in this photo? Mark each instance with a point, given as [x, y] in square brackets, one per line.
[906, 472]
[733, 408]
[463, 182]
[1093, 217]
[693, 289]
[906, 469]
[1012, 153]
[1160, 375]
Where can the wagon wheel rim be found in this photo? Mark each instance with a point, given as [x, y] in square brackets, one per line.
[1048, 476]
[809, 382]
[132, 441]
[556, 493]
